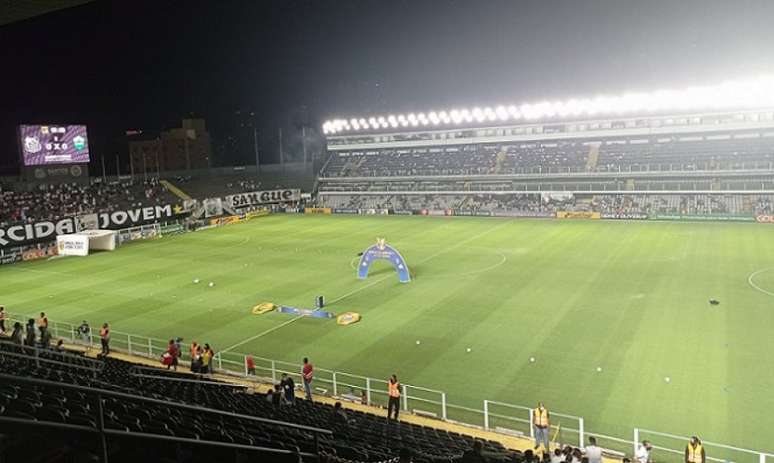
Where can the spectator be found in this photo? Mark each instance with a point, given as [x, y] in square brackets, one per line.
[557, 456]
[59, 346]
[85, 332]
[17, 336]
[45, 339]
[542, 425]
[179, 347]
[206, 360]
[196, 359]
[307, 373]
[42, 323]
[173, 354]
[694, 451]
[270, 395]
[250, 365]
[276, 398]
[363, 398]
[30, 339]
[474, 455]
[104, 339]
[642, 454]
[2, 319]
[289, 388]
[393, 403]
[194, 350]
[593, 453]
[339, 415]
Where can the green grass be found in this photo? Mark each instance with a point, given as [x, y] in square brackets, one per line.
[630, 297]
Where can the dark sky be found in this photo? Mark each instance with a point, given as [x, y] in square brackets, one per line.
[148, 63]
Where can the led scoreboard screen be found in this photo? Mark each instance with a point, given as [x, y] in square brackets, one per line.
[53, 144]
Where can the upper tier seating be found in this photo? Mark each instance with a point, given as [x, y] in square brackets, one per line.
[655, 154]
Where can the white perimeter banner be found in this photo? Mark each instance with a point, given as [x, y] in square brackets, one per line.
[72, 245]
[256, 198]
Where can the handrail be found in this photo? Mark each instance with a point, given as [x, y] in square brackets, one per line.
[146, 347]
[37, 358]
[187, 380]
[705, 442]
[63, 354]
[116, 432]
[107, 393]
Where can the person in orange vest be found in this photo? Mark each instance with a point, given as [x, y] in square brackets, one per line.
[104, 338]
[694, 451]
[42, 323]
[542, 426]
[194, 350]
[393, 390]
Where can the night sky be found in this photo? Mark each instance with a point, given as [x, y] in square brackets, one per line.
[147, 64]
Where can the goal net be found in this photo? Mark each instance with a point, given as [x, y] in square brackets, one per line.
[79, 244]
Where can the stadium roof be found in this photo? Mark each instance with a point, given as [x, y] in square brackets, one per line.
[12, 11]
[734, 95]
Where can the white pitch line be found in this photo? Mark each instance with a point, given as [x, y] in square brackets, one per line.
[755, 286]
[263, 333]
[432, 256]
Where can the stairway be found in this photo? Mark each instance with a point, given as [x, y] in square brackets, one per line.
[593, 159]
[175, 190]
[499, 161]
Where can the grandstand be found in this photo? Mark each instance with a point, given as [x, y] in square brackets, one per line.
[674, 164]
[647, 146]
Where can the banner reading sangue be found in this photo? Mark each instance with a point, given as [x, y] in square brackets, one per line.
[16, 235]
[256, 198]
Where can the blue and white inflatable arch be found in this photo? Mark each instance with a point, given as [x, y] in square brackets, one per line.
[383, 251]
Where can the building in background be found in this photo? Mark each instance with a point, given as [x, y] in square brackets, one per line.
[184, 148]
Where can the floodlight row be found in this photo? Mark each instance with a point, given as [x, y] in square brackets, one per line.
[741, 94]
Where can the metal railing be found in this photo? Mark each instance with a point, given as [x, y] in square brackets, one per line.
[493, 415]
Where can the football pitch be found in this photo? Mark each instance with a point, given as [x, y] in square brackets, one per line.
[608, 310]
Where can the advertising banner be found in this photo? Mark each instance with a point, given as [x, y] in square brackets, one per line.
[763, 218]
[525, 214]
[256, 198]
[16, 235]
[346, 211]
[402, 212]
[72, 245]
[375, 211]
[318, 210]
[436, 212]
[705, 218]
[68, 173]
[171, 229]
[227, 220]
[10, 257]
[577, 215]
[39, 253]
[625, 216]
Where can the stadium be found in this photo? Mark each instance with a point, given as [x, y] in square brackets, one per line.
[608, 257]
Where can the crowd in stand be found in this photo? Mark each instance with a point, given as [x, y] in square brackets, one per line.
[49, 202]
[685, 204]
[558, 157]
